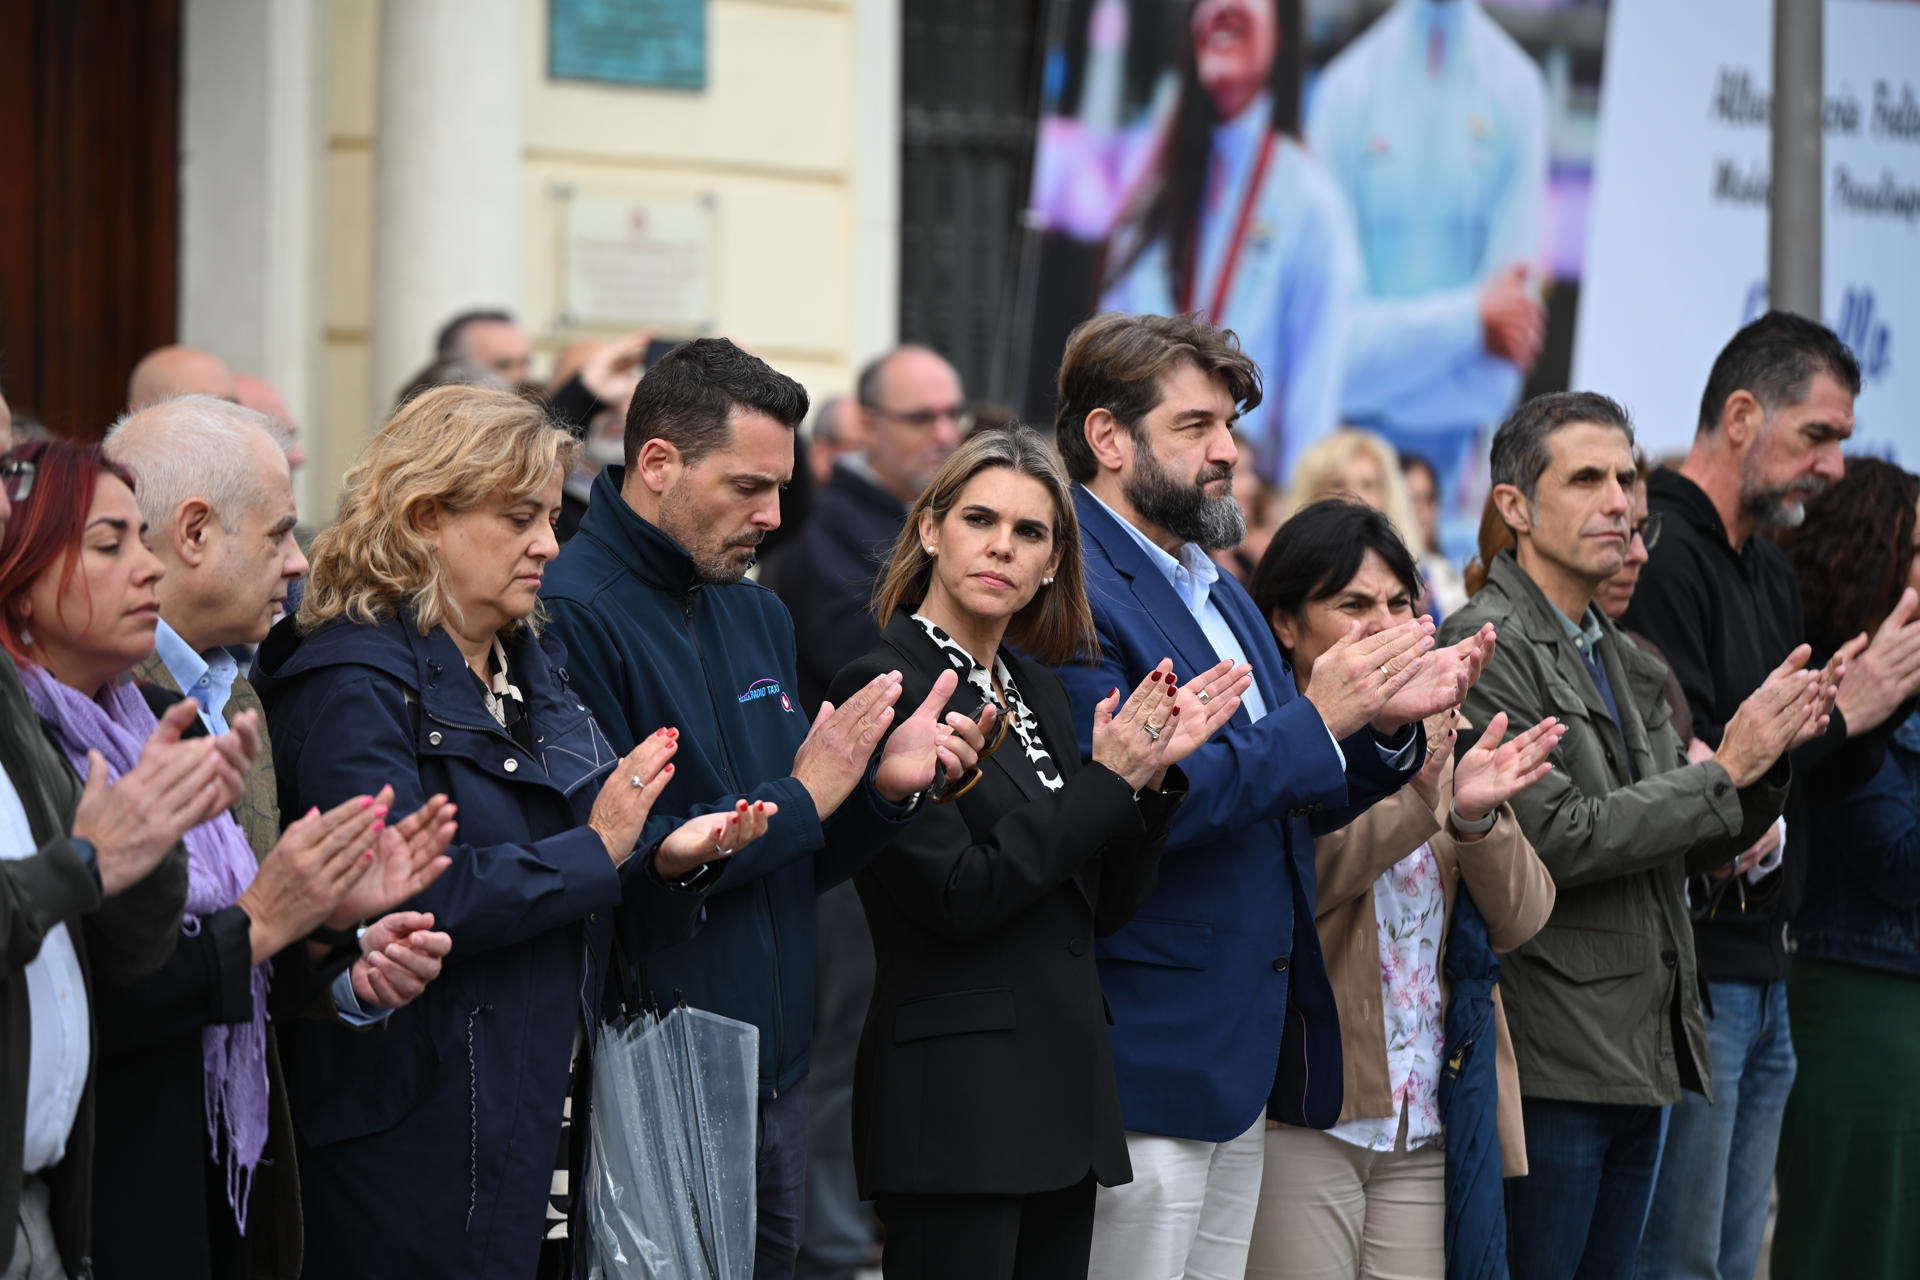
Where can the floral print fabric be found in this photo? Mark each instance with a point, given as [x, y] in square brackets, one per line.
[1410, 910]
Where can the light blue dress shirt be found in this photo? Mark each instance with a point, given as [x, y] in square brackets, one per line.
[1192, 574]
[57, 1015]
[1296, 280]
[208, 679]
[1433, 123]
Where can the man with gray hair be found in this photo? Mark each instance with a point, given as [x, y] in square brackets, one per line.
[216, 492]
[1604, 1002]
[1723, 606]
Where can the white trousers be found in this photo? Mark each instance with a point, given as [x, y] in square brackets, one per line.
[1187, 1214]
[1332, 1211]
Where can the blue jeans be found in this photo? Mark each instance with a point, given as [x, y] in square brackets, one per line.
[1578, 1213]
[1710, 1202]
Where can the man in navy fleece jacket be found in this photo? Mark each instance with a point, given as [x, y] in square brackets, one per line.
[661, 630]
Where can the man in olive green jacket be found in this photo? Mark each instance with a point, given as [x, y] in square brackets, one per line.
[105, 856]
[1604, 1002]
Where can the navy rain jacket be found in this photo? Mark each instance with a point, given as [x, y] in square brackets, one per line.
[653, 646]
[428, 1142]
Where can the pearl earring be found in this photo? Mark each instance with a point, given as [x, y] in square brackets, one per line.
[1046, 582]
[931, 550]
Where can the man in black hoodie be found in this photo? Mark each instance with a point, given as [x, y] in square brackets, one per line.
[1722, 605]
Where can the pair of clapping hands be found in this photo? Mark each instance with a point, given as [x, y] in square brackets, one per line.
[830, 763]
[339, 867]
[1395, 676]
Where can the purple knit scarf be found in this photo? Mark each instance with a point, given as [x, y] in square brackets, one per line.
[220, 865]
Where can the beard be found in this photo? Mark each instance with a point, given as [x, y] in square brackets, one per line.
[1776, 507]
[714, 563]
[1186, 510]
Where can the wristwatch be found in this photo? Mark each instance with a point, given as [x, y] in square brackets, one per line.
[89, 858]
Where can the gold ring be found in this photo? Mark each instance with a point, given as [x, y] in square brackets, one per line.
[1153, 730]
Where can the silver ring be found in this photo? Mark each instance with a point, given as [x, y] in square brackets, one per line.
[1153, 730]
[635, 780]
[1205, 696]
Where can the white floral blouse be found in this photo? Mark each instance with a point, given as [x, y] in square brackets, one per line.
[1410, 908]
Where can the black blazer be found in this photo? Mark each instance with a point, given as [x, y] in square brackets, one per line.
[984, 1065]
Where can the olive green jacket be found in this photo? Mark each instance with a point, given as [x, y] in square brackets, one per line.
[125, 937]
[1604, 1002]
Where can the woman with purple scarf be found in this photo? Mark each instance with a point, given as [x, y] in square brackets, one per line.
[188, 1077]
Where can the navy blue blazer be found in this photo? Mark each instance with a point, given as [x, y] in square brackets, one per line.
[1221, 1003]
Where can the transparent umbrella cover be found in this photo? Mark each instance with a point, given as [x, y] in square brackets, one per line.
[669, 1188]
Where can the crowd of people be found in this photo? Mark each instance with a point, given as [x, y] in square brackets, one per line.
[1129, 873]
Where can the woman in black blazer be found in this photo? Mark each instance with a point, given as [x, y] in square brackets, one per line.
[984, 1104]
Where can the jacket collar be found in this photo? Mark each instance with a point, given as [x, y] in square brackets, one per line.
[641, 547]
[1669, 491]
[1646, 678]
[1157, 599]
[854, 477]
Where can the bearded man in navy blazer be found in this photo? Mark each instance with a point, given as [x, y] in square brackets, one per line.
[1222, 1011]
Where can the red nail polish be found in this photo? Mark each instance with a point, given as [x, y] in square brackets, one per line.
[1113, 693]
[366, 801]
[667, 769]
[1175, 712]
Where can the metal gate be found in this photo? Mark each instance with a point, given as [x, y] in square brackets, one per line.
[969, 92]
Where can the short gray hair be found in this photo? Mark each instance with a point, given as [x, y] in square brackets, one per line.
[191, 447]
[1520, 454]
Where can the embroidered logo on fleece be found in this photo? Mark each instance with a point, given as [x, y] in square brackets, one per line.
[767, 689]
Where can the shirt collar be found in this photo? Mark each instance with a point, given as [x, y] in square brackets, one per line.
[1191, 574]
[207, 678]
[1586, 634]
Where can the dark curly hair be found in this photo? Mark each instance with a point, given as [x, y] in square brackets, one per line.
[1854, 551]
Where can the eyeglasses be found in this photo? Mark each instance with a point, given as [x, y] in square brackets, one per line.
[944, 792]
[923, 419]
[1648, 530]
[17, 474]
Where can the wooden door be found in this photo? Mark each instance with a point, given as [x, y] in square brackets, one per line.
[89, 202]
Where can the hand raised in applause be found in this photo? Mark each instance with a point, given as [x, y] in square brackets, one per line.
[833, 759]
[1494, 772]
[1786, 709]
[626, 798]
[409, 856]
[175, 786]
[1352, 681]
[712, 836]
[400, 953]
[318, 859]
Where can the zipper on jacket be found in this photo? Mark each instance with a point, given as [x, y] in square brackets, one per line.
[713, 703]
[779, 998]
[733, 786]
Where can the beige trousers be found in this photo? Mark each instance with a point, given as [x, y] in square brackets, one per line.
[1332, 1211]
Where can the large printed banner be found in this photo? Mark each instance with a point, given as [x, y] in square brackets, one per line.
[1376, 202]
[1677, 248]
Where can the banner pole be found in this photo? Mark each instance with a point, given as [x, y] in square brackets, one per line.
[1794, 235]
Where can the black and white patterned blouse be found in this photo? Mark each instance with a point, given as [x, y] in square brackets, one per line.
[1025, 727]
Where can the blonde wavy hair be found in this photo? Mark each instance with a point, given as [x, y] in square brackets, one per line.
[1318, 473]
[454, 446]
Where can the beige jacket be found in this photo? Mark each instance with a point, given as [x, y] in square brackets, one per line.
[1511, 888]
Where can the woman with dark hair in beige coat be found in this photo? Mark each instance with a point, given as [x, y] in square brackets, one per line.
[1368, 1197]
